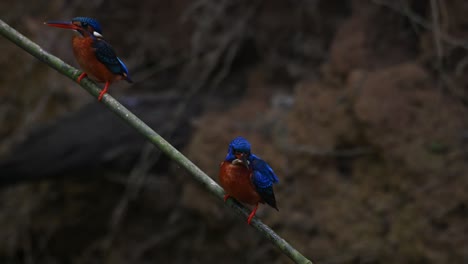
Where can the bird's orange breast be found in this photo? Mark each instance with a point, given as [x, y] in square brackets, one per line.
[86, 57]
[236, 181]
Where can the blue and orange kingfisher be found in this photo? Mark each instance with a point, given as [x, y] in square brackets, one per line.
[246, 177]
[94, 55]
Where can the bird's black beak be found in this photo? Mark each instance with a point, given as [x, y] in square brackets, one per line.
[245, 161]
[242, 158]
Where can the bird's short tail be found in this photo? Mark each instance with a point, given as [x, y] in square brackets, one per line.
[268, 196]
[128, 79]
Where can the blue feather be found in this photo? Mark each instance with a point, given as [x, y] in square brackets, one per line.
[239, 144]
[124, 68]
[106, 54]
[263, 174]
[263, 179]
[91, 21]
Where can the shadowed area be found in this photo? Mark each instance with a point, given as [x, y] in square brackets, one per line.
[93, 138]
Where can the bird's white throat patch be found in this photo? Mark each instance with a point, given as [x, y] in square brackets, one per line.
[239, 162]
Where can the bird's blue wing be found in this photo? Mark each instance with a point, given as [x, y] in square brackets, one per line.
[124, 68]
[263, 179]
[106, 54]
[266, 174]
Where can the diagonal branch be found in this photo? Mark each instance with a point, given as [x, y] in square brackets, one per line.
[132, 120]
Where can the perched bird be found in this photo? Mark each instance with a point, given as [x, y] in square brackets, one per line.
[95, 56]
[246, 177]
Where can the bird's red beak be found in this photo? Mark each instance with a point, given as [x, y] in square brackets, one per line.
[62, 24]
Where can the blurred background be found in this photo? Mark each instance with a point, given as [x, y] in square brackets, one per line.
[360, 106]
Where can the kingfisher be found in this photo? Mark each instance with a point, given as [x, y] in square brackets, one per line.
[94, 55]
[246, 177]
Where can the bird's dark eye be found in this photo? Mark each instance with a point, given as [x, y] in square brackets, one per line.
[236, 152]
[84, 24]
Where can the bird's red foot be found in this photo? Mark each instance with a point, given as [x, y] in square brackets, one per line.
[81, 77]
[226, 196]
[101, 94]
[252, 214]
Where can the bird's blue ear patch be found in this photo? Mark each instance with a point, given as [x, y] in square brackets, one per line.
[91, 21]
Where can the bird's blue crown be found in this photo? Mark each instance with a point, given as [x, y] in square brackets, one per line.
[91, 21]
[239, 144]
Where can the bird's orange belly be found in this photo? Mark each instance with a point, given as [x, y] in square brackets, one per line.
[86, 57]
[236, 181]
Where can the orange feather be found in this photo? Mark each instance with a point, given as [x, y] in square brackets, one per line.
[86, 57]
[236, 181]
